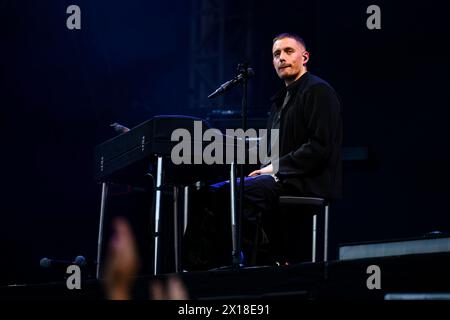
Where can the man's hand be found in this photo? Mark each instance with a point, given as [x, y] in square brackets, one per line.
[266, 170]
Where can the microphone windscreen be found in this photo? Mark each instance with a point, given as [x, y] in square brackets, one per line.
[45, 262]
[80, 260]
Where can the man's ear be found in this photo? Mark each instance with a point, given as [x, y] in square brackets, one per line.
[305, 57]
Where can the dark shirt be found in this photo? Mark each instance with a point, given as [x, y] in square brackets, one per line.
[277, 115]
[310, 123]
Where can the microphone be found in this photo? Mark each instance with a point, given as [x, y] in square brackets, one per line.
[119, 128]
[233, 82]
[47, 263]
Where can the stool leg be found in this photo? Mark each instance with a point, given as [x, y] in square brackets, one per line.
[314, 238]
[325, 240]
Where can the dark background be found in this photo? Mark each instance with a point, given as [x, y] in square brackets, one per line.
[60, 89]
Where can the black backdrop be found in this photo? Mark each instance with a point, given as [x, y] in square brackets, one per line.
[60, 90]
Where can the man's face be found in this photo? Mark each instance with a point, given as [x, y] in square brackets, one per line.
[289, 57]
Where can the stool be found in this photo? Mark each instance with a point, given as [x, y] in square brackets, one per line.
[322, 205]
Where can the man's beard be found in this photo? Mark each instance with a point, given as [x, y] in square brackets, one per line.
[288, 77]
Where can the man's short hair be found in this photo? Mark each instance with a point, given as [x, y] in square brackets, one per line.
[292, 36]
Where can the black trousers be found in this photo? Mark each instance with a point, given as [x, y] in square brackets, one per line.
[263, 226]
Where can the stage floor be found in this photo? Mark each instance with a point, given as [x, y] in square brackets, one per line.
[412, 274]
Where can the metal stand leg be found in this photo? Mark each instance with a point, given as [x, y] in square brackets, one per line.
[325, 240]
[177, 233]
[314, 238]
[100, 228]
[185, 208]
[159, 170]
[175, 229]
[234, 218]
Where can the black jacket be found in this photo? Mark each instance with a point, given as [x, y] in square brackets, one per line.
[310, 138]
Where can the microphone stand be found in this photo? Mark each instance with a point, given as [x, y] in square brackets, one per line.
[236, 253]
[236, 215]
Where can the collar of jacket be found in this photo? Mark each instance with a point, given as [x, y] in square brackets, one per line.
[294, 85]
